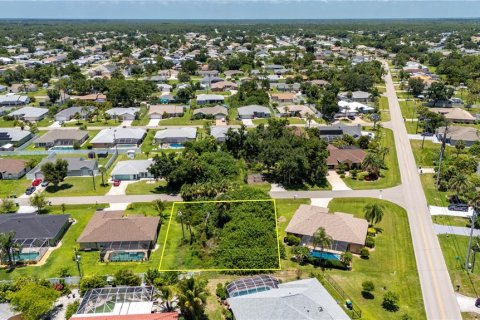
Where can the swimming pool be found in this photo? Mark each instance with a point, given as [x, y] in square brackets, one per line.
[249, 291]
[176, 145]
[61, 148]
[26, 256]
[126, 256]
[325, 255]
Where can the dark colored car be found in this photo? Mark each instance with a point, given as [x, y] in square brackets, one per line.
[458, 207]
[477, 303]
[427, 134]
[351, 117]
[30, 190]
[36, 182]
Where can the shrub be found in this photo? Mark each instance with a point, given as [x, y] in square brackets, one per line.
[127, 278]
[292, 240]
[354, 173]
[71, 309]
[370, 242]
[76, 145]
[364, 253]
[361, 176]
[92, 282]
[89, 146]
[342, 176]
[83, 127]
[372, 232]
[283, 251]
[221, 292]
[368, 286]
[390, 301]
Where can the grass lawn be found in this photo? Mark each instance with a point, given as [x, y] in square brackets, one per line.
[6, 124]
[454, 251]
[384, 109]
[185, 120]
[232, 117]
[409, 108]
[13, 187]
[434, 197]
[143, 187]
[411, 127]
[63, 256]
[428, 156]
[78, 186]
[101, 123]
[404, 95]
[450, 221]
[391, 265]
[389, 177]
[147, 144]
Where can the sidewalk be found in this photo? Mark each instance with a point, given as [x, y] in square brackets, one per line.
[459, 231]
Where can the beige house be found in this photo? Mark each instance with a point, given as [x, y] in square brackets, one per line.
[455, 114]
[296, 110]
[161, 111]
[348, 232]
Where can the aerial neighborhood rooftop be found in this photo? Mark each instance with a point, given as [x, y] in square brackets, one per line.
[212, 170]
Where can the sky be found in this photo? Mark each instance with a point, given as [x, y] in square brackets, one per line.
[238, 9]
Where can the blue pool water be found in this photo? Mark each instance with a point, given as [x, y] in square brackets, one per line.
[126, 256]
[325, 255]
[176, 145]
[26, 256]
[249, 291]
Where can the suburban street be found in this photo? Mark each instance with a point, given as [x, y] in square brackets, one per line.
[437, 290]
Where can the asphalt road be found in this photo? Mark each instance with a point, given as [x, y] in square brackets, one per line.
[437, 290]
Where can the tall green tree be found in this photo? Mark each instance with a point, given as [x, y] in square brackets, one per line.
[373, 213]
[38, 201]
[322, 239]
[33, 300]
[7, 247]
[459, 183]
[55, 172]
[192, 298]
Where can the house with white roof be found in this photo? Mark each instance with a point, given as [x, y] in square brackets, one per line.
[132, 170]
[175, 135]
[119, 136]
[303, 299]
[29, 114]
[210, 98]
[353, 107]
[253, 111]
[13, 100]
[125, 113]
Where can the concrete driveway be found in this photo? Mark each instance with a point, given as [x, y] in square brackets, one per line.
[127, 123]
[56, 124]
[153, 122]
[336, 182]
[121, 189]
[248, 122]
[443, 211]
[467, 304]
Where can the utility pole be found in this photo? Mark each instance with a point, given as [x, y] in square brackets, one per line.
[93, 178]
[442, 150]
[467, 261]
[427, 121]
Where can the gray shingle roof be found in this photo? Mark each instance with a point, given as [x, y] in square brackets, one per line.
[298, 300]
[28, 226]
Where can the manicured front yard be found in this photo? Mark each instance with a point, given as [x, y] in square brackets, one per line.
[63, 256]
[454, 250]
[78, 186]
[13, 187]
[185, 120]
[291, 120]
[450, 221]
[389, 177]
[391, 265]
[147, 187]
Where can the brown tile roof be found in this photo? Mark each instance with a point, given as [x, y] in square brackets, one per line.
[283, 96]
[337, 155]
[340, 226]
[112, 226]
[12, 165]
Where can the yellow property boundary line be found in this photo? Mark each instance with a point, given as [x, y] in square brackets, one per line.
[220, 270]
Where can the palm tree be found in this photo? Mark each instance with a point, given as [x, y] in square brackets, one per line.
[459, 183]
[310, 118]
[102, 171]
[346, 258]
[7, 245]
[475, 249]
[373, 213]
[192, 298]
[321, 239]
[168, 295]
[371, 164]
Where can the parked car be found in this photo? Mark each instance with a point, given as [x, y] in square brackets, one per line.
[351, 117]
[458, 207]
[116, 183]
[36, 182]
[30, 190]
[477, 303]
[427, 134]
[44, 184]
